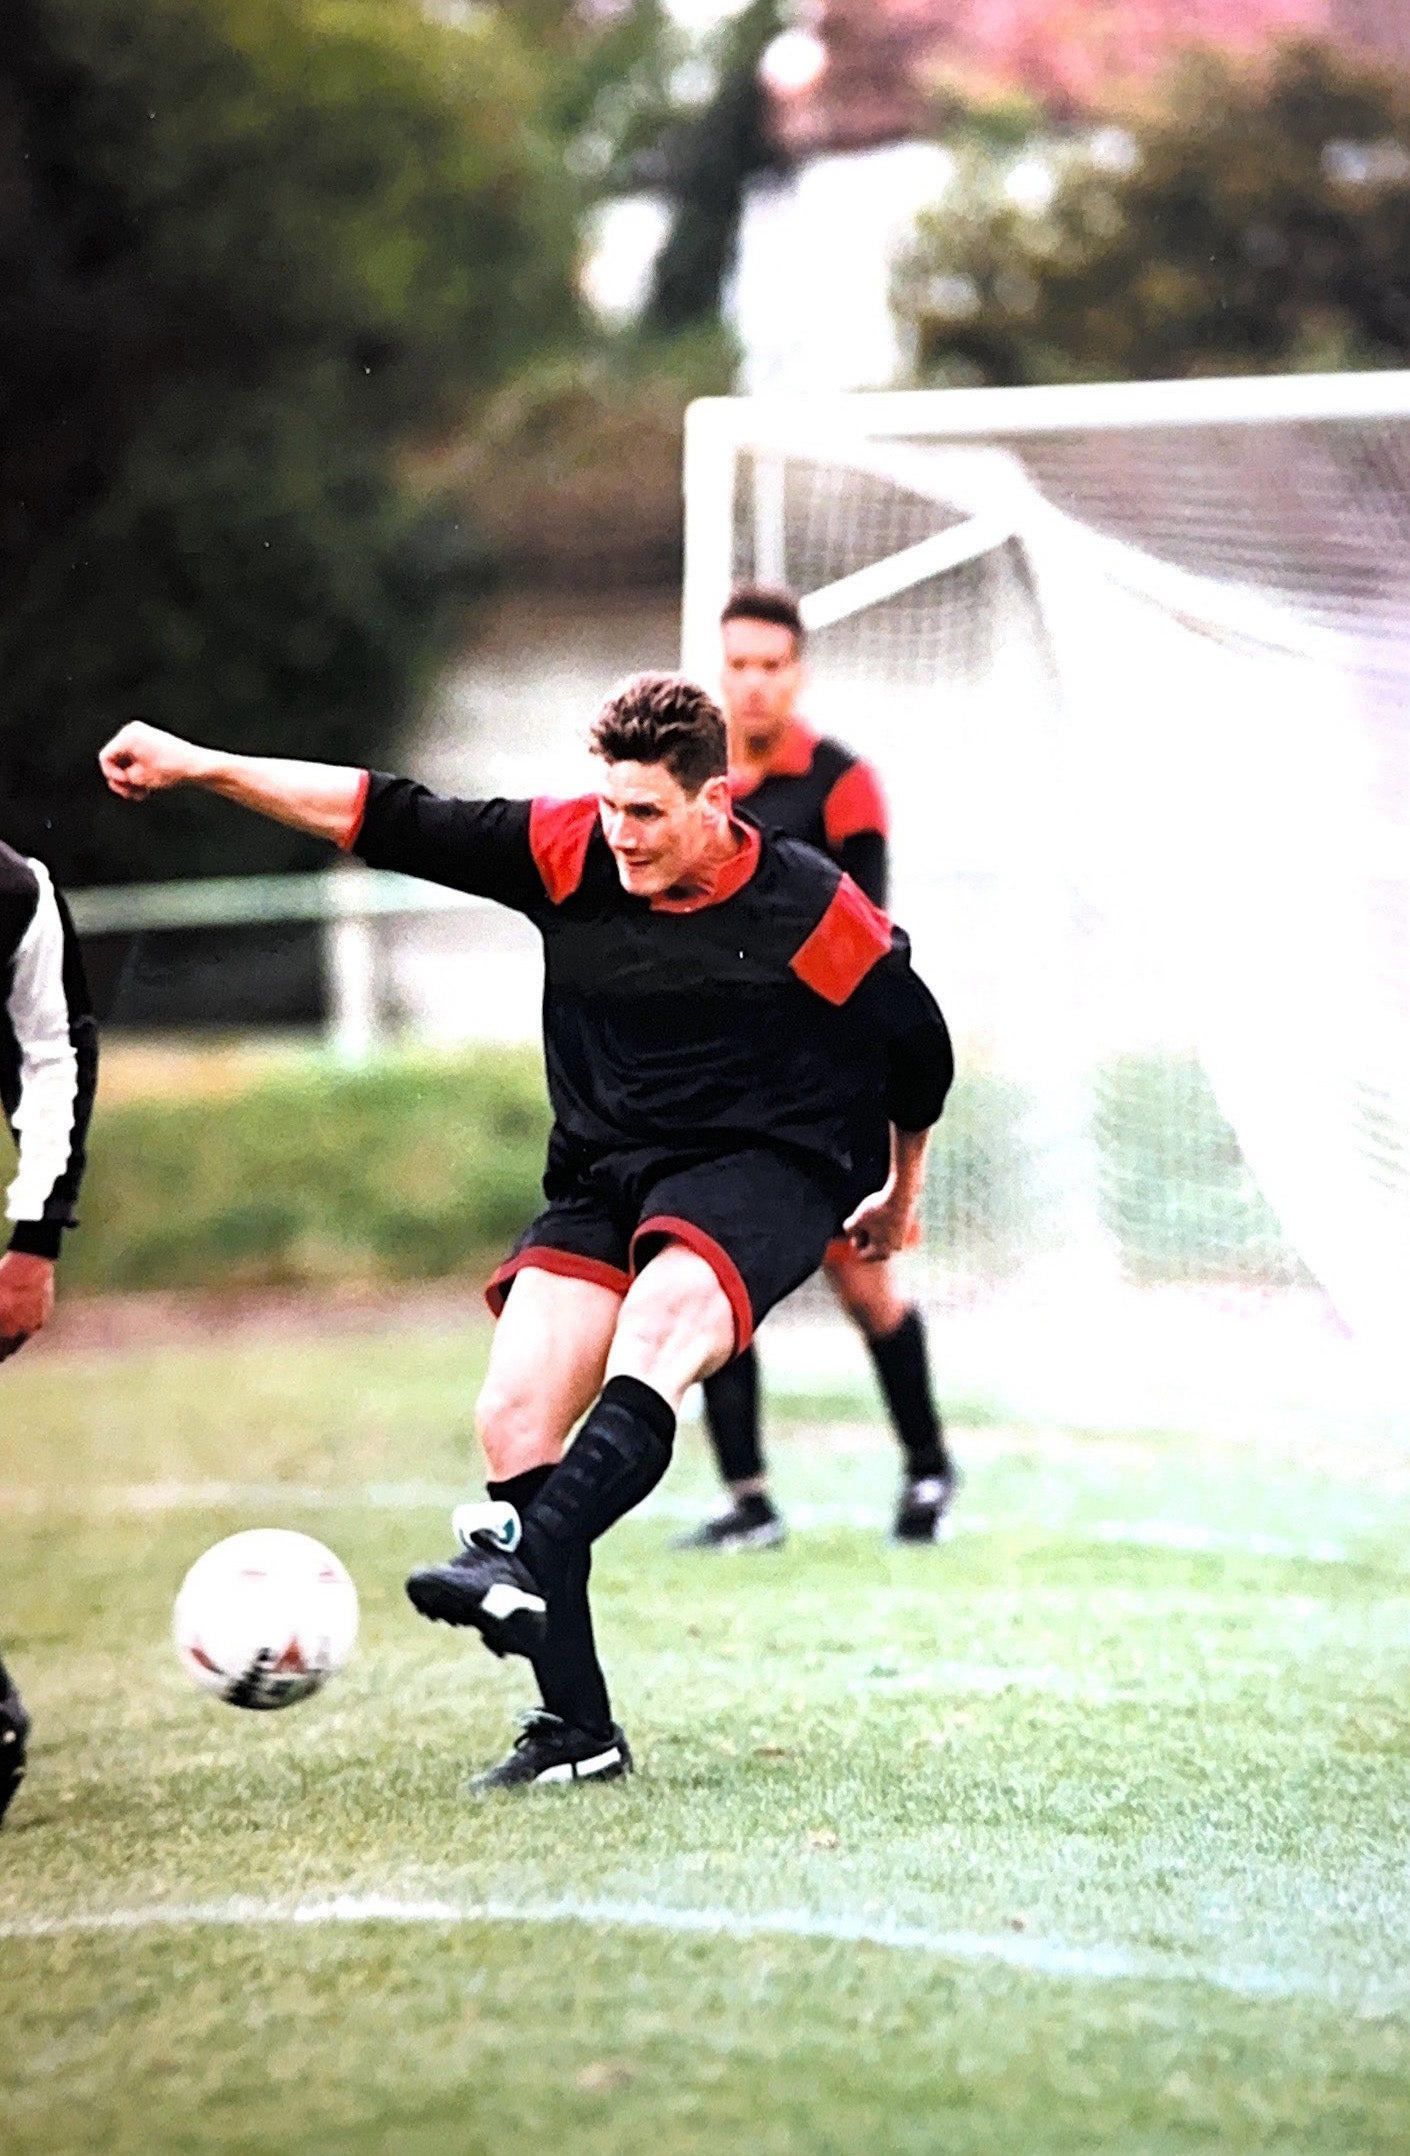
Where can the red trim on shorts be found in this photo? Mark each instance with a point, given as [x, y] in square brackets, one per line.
[567, 1264]
[559, 835]
[726, 881]
[855, 804]
[347, 838]
[847, 942]
[718, 1259]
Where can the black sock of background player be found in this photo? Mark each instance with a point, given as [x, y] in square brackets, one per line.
[617, 1459]
[903, 1368]
[732, 1418]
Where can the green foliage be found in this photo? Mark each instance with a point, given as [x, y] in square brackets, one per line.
[413, 1169]
[254, 247]
[1177, 1191]
[1259, 219]
[977, 1189]
[574, 467]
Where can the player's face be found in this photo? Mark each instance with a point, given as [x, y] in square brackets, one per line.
[760, 681]
[660, 835]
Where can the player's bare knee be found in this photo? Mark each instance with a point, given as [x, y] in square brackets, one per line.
[675, 1326]
[869, 1294]
[509, 1426]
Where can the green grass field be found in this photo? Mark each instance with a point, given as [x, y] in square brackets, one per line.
[1087, 1831]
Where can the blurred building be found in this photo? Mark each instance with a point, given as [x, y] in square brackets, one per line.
[852, 88]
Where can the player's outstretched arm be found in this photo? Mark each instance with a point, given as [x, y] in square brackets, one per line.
[322, 799]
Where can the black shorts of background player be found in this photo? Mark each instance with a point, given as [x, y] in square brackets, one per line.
[813, 788]
[719, 1005]
[48, 1070]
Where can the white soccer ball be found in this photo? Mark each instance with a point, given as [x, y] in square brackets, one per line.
[265, 1617]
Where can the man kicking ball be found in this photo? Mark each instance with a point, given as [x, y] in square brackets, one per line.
[813, 788]
[717, 1005]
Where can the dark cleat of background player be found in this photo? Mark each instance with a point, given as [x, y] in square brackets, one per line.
[813, 788]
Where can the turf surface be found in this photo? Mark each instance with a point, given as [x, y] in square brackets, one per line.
[1085, 1832]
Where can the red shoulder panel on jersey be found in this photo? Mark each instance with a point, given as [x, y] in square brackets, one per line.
[559, 832]
[856, 803]
[347, 837]
[847, 942]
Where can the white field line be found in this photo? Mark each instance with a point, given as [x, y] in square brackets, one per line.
[1039, 1957]
[144, 1499]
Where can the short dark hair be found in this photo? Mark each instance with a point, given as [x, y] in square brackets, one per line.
[663, 719]
[765, 602]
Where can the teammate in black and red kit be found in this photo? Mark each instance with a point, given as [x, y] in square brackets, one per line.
[793, 780]
[718, 1006]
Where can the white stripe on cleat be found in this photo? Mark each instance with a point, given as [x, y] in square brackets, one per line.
[503, 1600]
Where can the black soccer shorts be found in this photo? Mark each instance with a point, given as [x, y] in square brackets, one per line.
[759, 1219]
[871, 1165]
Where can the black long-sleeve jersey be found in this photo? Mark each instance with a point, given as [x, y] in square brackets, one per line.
[765, 1010]
[48, 1053]
[816, 789]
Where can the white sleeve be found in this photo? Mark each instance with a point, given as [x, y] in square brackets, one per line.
[48, 1112]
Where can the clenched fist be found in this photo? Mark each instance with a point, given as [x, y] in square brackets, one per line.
[141, 760]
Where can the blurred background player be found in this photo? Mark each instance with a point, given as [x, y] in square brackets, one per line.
[48, 1069]
[813, 788]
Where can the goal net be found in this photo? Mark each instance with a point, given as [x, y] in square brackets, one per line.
[1134, 662]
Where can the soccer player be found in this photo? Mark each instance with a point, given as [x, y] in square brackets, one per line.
[717, 1004]
[48, 1070]
[811, 787]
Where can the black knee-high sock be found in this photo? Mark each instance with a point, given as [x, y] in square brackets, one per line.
[617, 1459]
[903, 1367]
[570, 1624]
[732, 1418]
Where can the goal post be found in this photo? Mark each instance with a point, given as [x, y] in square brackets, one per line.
[1134, 661]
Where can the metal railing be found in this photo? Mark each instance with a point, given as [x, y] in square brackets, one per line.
[347, 901]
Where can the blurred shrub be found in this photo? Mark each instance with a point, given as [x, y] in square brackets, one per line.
[1257, 219]
[574, 468]
[412, 1169]
[1176, 1190]
[248, 249]
[978, 1197]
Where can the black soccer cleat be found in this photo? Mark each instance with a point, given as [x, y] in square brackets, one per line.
[548, 1749]
[14, 1736]
[485, 1585]
[750, 1523]
[924, 1506]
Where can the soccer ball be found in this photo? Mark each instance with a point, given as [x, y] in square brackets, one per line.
[265, 1617]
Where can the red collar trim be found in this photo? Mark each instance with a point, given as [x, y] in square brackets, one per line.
[792, 759]
[731, 876]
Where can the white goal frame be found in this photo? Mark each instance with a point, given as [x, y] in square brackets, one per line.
[849, 427]
[894, 435]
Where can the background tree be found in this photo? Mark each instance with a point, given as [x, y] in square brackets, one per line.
[706, 162]
[1256, 219]
[249, 251]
